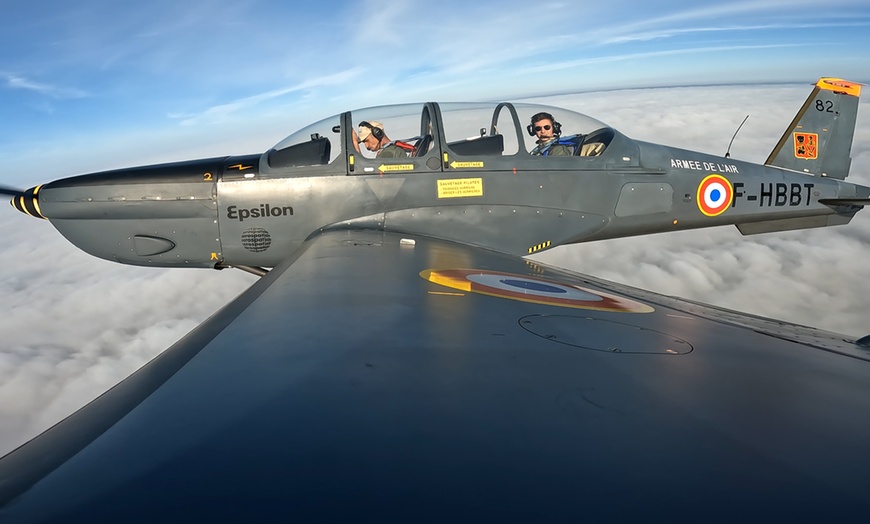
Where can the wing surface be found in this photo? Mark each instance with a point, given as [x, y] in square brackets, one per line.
[382, 378]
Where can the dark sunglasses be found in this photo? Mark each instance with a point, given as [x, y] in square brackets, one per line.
[538, 128]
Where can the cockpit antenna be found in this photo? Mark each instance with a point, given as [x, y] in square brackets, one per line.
[728, 152]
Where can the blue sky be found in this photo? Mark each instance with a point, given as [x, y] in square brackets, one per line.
[92, 74]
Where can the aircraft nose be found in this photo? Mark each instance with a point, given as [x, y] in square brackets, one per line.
[28, 202]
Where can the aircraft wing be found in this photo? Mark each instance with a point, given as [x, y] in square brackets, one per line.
[382, 377]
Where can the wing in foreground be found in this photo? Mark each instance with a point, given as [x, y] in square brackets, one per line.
[381, 378]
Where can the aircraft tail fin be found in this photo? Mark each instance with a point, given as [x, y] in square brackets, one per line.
[819, 139]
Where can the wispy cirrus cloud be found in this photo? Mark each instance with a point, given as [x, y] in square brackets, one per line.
[14, 81]
[222, 111]
[553, 66]
[646, 36]
[731, 18]
[797, 9]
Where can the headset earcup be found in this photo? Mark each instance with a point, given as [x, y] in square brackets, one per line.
[377, 132]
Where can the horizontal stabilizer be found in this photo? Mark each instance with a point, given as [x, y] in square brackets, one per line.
[790, 224]
[845, 201]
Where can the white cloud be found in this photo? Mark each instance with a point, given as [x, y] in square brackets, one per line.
[570, 64]
[223, 111]
[742, 9]
[19, 82]
[645, 36]
[74, 325]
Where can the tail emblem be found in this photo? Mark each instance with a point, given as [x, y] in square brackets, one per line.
[806, 145]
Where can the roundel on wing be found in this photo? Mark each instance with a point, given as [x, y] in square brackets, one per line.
[714, 195]
[532, 289]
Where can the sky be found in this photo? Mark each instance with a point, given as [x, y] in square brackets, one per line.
[94, 85]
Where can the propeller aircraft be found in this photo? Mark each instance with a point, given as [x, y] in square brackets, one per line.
[399, 359]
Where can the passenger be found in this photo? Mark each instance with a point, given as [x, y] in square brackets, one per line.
[545, 127]
[374, 137]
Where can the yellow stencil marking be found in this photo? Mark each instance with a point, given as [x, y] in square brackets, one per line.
[458, 165]
[460, 187]
[386, 168]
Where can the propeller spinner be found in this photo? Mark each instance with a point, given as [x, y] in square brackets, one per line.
[25, 201]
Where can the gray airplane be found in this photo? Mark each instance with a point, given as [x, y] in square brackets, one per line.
[400, 360]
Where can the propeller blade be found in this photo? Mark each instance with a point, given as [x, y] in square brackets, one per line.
[4, 190]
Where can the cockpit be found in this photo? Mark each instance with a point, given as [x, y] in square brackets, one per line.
[436, 137]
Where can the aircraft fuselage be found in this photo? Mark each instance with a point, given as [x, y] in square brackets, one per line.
[192, 215]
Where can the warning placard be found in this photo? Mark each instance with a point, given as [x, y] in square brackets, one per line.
[460, 187]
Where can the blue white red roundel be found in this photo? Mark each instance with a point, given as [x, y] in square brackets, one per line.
[532, 289]
[714, 195]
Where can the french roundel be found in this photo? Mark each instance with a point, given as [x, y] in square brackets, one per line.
[714, 195]
[532, 289]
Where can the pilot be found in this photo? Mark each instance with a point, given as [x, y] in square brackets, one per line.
[545, 127]
[373, 136]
